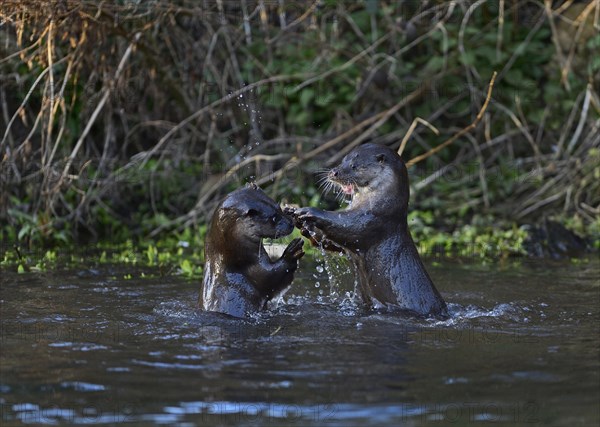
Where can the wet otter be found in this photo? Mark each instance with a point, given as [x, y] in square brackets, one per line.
[374, 231]
[239, 276]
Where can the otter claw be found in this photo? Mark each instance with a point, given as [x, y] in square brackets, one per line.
[304, 214]
[292, 213]
[294, 250]
[289, 210]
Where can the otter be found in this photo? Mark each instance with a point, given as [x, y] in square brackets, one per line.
[373, 230]
[239, 276]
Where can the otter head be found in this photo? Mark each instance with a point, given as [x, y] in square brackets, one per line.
[249, 214]
[372, 168]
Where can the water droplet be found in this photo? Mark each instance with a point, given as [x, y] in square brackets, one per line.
[319, 268]
[317, 285]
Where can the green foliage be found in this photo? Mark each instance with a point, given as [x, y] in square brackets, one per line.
[33, 230]
[168, 256]
[482, 241]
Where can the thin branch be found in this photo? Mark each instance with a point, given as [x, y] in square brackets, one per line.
[51, 85]
[343, 66]
[580, 24]
[147, 155]
[582, 118]
[22, 106]
[412, 128]
[384, 118]
[472, 126]
[94, 116]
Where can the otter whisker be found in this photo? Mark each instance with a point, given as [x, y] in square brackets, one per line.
[322, 177]
[322, 172]
[322, 182]
[336, 188]
[326, 185]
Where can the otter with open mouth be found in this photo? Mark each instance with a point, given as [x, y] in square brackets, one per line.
[239, 276]
[374, 231]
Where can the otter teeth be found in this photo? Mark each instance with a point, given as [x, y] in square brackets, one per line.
[348, 188]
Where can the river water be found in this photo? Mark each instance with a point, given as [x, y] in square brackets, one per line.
[89, 346]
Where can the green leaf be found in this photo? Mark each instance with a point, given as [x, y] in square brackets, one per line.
[435, 63]
[467, 58]
[489, 54]
[323, 100]
[24, 231]
[594, 43]
[372, 6]
[362, 19]
[306, 96]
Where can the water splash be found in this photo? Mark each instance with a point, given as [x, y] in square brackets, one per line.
[247, 103]
[459, 314]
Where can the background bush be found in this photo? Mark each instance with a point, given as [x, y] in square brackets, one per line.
[125, 118]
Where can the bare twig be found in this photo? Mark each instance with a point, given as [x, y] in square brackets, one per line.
[25, 100]
[580, 24]
[50, 82]
[107, 90]
[384, 117]
[147, 155]
[582, 118]
[463, 131]
[557, 47]
[500, 30]
[344, 66]
[411, 129]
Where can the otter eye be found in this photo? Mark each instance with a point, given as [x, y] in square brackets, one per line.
[353, 166]
[251, 212]
[274, 219]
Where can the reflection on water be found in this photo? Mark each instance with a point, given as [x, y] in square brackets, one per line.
[520, 347]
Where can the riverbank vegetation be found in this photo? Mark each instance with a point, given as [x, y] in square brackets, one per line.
[122, 123]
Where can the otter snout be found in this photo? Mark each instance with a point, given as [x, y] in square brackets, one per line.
[284, 227]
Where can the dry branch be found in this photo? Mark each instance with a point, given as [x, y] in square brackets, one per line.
[460, 133]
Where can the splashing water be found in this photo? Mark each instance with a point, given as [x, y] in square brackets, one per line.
[247, 103]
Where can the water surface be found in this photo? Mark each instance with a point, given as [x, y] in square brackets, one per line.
[88, 346]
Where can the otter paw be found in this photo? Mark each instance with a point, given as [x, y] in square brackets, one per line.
[311, 232]
[290, 212]
[318, 239]
[308, 215]
[307, 231]
[294, 251]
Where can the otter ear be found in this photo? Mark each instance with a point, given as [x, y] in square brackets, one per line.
[380, 158]
[251, 212]
[253, 185]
